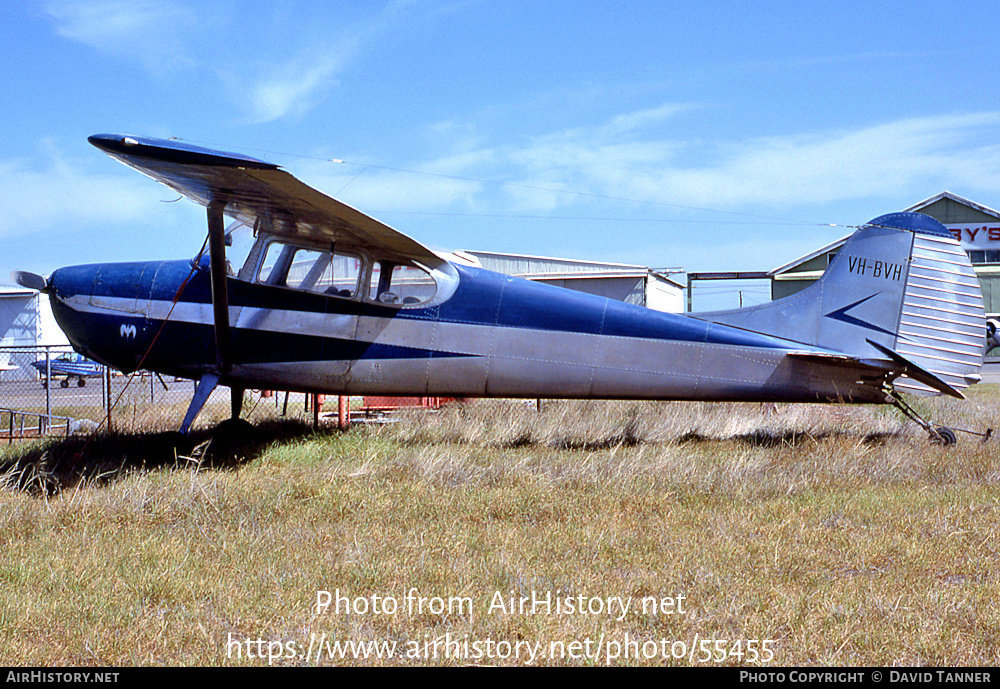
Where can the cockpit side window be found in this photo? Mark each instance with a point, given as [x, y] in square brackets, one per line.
[311, 270]
[402, 284]
[396, 282]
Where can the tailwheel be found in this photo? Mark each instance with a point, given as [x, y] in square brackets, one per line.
[942, 435]
[939, 435]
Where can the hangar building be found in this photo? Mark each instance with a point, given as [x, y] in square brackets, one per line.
[26, 322]
[629, 283]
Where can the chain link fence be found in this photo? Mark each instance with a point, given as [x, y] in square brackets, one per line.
[51, 390]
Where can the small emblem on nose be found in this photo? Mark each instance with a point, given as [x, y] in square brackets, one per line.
[128, 331]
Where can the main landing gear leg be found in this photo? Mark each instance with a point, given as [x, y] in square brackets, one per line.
[205, 387]
[236, 398]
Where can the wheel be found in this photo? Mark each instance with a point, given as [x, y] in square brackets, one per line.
[64, 383]
[177, 444]
[230, 438]
[80, 382]
[945, 436]
[232, 429]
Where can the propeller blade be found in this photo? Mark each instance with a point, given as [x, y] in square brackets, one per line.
[30, 280]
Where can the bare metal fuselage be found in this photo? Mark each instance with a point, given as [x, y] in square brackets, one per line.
[495, 335]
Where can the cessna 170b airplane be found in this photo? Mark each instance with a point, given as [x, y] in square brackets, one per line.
[330, 300]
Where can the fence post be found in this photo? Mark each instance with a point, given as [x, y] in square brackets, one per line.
[48, 380]
[343, 412]
[104, 394]
[107, 382]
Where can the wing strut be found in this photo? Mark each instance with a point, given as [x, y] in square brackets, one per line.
[220, 295]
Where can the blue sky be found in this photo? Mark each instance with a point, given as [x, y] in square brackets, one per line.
[711, 135]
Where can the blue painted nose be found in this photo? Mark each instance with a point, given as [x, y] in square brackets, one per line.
[102, 309]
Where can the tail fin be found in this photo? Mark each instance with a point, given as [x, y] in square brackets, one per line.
[900, 283]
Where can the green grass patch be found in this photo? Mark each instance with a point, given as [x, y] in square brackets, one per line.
[837, 535]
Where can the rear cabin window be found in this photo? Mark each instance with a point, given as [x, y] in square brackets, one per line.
[401, 284]
[322, 272]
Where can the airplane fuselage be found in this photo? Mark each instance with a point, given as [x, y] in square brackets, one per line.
[494, 336]
[329, 299]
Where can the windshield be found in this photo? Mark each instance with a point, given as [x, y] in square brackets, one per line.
[239, 242]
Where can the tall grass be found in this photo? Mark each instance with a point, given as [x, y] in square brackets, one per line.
[839, 535]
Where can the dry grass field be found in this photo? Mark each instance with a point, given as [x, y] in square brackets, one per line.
[584, 533]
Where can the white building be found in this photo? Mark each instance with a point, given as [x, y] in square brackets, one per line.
[26, 322]
[628, 283]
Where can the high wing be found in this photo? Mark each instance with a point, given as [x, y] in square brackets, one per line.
[259, 194]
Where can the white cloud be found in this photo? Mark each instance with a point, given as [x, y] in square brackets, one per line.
[56, 192]
[620, 160]
[291, 88]
[631, 121]
[892, 159]
[273, 83]
[270, 70]
[143, 30]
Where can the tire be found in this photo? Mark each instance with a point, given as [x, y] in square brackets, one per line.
[945, 436]
[230, 439]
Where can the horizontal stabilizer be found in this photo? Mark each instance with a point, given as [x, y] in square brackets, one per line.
[861, 366]
[903, 366]
[827, 358]
[913, 371]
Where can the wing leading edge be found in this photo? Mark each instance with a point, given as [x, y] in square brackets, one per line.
[259, 194]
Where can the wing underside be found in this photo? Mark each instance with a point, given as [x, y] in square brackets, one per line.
[259, 194]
